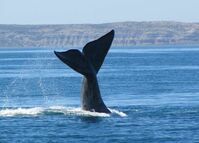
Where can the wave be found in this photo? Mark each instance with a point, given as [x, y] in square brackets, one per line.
[36, 111]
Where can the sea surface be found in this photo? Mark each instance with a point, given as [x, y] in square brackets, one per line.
[152, 92]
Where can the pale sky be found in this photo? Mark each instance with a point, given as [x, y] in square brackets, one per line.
[96, 11]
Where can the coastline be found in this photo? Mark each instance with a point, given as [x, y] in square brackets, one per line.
[76, 35]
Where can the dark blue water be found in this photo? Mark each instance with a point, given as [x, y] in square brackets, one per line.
[153, 93]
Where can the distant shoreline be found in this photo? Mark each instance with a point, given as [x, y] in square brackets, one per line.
[77, 35]
[114, 47]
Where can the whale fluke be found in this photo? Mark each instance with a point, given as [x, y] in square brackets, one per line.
[76, 60]
[97, 50]
[88, 63]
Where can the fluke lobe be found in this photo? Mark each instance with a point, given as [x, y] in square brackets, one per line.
[88, 63]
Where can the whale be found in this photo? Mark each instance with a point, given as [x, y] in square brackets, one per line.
[88, 63]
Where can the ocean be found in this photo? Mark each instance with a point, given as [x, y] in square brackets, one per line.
[152, 92]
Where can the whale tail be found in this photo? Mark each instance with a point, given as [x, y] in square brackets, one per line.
[92, 56]
[88, 63]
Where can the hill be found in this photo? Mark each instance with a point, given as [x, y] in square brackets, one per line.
[127, 34]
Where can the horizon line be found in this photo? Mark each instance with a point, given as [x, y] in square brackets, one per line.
[147, 21]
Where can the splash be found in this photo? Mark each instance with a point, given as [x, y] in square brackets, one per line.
[114, 111]
[21, 111]
[73, 111]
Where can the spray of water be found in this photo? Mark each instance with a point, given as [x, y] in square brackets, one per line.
[67, 111]
[6, 92]
[20, 83]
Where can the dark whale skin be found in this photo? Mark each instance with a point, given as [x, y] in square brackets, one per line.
[88, 63]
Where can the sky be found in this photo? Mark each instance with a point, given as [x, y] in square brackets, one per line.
[96, 11]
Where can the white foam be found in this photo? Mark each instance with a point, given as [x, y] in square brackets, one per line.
[55, 109]
[122, 114]
[77, 111]
[21, 111]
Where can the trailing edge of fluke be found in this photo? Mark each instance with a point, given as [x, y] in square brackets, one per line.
[88, 63]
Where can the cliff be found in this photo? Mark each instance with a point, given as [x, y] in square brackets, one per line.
[127, 34]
